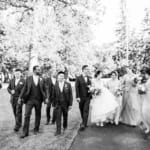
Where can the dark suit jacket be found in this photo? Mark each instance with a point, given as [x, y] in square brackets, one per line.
[67, 93]
[17, 88]
[25, 93]
[82, 89]
[49, 89]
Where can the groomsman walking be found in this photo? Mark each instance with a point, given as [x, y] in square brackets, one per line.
[49, 92]
[83, 95]
[14, 88]
[33, 94]
[62, 101]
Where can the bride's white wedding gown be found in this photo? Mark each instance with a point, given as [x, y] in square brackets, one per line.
[103, 106]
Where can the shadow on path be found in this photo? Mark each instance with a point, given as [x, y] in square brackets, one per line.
[110, 137]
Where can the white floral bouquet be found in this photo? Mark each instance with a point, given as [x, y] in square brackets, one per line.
[141, 89]
[95, 91]
[118, 92]
[135, 81]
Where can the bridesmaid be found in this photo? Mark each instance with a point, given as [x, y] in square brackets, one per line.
[114, 86]
[146, 103]
[131, 102]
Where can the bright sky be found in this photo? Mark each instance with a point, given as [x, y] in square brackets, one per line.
[136, 12]
[104, 32]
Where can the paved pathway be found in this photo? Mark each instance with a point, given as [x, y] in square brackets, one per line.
[43, 141]
[111, 137]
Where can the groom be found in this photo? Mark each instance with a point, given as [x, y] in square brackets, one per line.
[83, 95]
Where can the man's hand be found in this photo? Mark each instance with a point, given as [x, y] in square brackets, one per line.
[78, 100]
[19, 101]
[12, 91]
[70, 107]
[46, 101]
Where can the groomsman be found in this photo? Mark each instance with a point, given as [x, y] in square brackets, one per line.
[83, 95]
[62, 101]
[14, 88]
[49, 82]
[33, 94]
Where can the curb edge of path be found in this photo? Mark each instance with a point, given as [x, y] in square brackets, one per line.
[75, 133]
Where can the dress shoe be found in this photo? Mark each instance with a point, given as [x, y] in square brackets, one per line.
[57, 133]
[65, 129]
[36, 132]
[82, 128]
[52, 123]
[23, 136]
[47, 123]
[16, 129]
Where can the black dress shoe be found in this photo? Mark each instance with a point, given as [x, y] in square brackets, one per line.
[23, 136]
[47, 123]
[36, 132]
[65, 128]
[57, 133]
[16, 129]
[82, 128]
[52, 123]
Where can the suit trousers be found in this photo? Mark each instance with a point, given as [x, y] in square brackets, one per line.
[28, 110]
[84, 110]
[61, 111]
[48, 113]
[17, 110]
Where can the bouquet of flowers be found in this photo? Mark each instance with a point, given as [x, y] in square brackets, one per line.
[135, 81]
[118, 92]
[141, 89]
[95, 91]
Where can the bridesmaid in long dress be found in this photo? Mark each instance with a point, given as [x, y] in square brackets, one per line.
[114, 86]
[131, 103]
[146, 103]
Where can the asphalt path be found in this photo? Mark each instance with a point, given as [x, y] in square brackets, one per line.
[111, 137]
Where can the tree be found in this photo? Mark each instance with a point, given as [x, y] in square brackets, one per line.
[56, 29]
[121, 33]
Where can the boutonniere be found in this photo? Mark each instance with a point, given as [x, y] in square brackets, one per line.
[20, 83]
[66, 86]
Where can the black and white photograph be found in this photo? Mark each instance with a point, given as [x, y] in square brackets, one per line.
[74, 74]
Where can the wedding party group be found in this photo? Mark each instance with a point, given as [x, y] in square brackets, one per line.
[33, 91]
[119, 99]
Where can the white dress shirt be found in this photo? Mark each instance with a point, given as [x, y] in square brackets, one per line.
[61, 86]
[35, 79]
[53, 80]
[16, 81]
[85, 78]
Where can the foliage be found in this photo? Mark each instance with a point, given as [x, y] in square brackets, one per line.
[58, 30]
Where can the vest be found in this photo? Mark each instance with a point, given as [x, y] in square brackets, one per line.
[35, 92]
[61, 98]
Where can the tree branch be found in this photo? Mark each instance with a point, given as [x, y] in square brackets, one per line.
[20, 6]
[63, 1]
[16, 4]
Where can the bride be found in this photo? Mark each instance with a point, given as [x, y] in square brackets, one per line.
[103, 103]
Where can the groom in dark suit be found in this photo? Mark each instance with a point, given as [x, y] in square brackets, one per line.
[83, 95]
[33, 94]
[62, 101]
